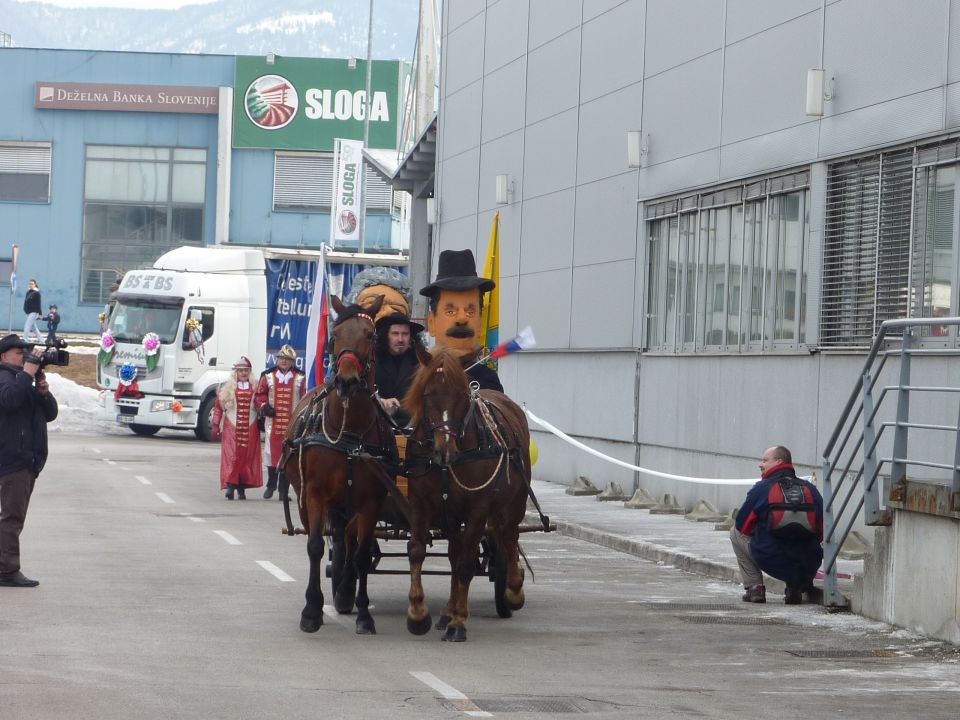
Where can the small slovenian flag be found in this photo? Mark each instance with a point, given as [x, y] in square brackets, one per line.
[523, 341]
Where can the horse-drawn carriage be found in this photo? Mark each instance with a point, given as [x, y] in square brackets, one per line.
[467, 473]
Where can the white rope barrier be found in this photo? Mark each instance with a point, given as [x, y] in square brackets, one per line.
[646, 471]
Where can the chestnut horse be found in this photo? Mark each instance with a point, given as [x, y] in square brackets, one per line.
[336, 443]
[469, 467]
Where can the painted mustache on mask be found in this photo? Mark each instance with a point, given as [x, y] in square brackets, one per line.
[460, 331]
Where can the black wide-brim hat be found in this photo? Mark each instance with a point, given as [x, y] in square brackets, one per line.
[398, 318]
[457, 270]
[11, 341]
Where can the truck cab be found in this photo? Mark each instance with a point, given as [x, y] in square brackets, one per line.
[224, 291]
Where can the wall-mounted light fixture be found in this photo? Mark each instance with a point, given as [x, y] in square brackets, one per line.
[638, 148]
[504, 190]
[271, 58]
[431, 211]
[352, 63]
[820, 89]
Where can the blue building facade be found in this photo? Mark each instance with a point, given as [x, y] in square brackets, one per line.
[86, 194]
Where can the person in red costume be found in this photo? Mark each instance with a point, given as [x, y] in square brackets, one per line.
[235, 420]
[278, 392]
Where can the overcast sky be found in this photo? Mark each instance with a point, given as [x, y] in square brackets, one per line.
[136, 4]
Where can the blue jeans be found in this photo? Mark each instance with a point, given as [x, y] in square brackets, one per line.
[31, 323]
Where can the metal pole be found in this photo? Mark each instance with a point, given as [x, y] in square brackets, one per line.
[366, 129]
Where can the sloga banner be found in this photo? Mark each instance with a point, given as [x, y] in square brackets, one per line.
[290, 286]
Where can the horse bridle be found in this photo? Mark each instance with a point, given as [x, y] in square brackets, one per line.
[351, 355]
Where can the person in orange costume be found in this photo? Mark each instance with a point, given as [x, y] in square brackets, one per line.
[235, 420]
[456, 305]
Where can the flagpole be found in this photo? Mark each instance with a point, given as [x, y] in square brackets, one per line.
[366, 129]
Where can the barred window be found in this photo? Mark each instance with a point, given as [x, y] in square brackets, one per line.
[727, 269]
[25, 171]
[304, 181]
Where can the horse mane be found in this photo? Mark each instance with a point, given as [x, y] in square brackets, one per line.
[444, 360]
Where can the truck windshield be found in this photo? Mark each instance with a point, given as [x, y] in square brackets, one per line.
[132, 319]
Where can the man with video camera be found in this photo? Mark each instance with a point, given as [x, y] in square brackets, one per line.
[26, 406]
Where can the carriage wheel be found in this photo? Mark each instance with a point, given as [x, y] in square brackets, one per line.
[498, 568]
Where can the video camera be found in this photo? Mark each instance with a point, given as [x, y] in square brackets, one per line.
[54, 354]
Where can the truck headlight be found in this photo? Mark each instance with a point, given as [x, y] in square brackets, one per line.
[159, 405]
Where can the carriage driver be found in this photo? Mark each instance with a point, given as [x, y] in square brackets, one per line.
[454, 317]
[278, 392]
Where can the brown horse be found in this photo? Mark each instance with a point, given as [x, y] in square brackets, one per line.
[469, 465]
[335, 445]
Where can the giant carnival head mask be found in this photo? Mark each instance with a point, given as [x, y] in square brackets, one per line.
[387, 282]
[456, 301]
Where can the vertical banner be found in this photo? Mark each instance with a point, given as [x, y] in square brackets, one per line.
[289, 294]
[347, 193]
[317, 329]
[490, 323]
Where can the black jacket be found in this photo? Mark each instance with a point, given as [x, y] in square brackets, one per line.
[394, 375]
[31, 303]
[24, 415]
[482, 374]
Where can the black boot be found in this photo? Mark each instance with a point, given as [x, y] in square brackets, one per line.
[241, 494]
[229, 494]
[271, 483]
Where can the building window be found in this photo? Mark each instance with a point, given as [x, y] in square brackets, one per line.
[25, 171]
[139, 202]
[889, 243]
[727, 269]
[304, 182]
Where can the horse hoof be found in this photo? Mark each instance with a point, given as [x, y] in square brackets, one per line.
[343, 605]
[455, 633]
[366, 627]
[419, 627]
[310, 624]
[443, 622]
[515, 600]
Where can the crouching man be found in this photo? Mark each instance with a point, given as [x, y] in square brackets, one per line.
[778, 530]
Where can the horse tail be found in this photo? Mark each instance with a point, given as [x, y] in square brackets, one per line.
[526, 561]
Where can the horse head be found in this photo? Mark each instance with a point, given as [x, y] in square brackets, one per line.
[439, 399]
[353, 343]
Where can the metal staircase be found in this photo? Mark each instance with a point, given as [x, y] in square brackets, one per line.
[860, 459]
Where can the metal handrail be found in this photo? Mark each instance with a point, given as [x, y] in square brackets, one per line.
[859, 483]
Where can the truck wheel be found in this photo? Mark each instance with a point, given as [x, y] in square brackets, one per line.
[204, 428]
[145, 430]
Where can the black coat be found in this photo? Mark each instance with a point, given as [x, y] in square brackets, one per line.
[394, 375]
[24, 414]
[486, 377]
[31, 303]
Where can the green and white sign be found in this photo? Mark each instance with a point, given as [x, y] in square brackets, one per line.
[305, 103]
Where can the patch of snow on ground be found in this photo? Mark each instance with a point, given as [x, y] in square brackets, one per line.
[79, 409]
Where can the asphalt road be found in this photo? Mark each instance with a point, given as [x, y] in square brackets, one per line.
[160, 599]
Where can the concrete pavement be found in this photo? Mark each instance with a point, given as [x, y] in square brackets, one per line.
[665, 539]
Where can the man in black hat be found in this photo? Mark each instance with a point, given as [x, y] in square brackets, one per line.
[456, 307]
[396, 361]
[26, 406]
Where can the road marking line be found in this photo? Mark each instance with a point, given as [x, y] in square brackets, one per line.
[143, 480]
[125, 469]
[230, 539]
[192, 518]
[108, 461]
[96, 450]
[275, 571]
[331, 612]
[166, 498]
[461, 701]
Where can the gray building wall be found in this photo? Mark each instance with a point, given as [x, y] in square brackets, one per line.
[545, 92]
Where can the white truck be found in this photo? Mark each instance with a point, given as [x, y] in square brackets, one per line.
[225, 289]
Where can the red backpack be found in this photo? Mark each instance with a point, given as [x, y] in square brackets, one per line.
[792, 512]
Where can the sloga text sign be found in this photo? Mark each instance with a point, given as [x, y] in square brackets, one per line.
[305, 103]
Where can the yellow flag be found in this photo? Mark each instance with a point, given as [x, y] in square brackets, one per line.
[490, 325]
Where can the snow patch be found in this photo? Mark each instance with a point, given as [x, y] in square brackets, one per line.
[289, 23]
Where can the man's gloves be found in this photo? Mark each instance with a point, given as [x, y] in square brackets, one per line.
[267, 410]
